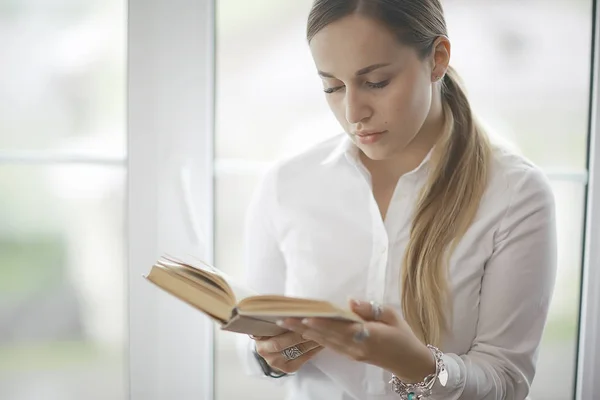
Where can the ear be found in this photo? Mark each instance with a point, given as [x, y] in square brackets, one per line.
[440, 58]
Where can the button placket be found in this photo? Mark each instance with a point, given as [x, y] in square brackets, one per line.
[376, 383]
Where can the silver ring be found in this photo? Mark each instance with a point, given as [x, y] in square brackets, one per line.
[377, 310]
[291, 353]
[361, 335]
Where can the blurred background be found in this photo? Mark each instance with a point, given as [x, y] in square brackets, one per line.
[62, 198]
[526, 65]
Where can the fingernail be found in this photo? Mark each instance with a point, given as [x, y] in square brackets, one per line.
[306, 321]
[280, 322]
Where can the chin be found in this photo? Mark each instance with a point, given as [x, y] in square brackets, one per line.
[376, 153]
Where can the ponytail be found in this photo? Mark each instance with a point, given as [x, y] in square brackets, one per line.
[446, 209]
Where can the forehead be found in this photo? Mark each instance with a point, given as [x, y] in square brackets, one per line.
[354, 42]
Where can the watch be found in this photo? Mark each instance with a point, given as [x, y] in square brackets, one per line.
[266, 368]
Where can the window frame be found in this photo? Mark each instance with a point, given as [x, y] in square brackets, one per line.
[170, 191]
[588, 366]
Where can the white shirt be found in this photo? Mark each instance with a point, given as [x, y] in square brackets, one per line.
[314, 230]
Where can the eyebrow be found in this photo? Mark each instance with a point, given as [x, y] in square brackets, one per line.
[360, 72]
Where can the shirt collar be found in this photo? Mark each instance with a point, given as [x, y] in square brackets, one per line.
[345, 147]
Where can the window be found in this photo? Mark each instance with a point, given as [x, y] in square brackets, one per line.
[269, 104]
[62, 175]
[76, 319]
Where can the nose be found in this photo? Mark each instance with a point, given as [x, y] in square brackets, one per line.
[357, 109]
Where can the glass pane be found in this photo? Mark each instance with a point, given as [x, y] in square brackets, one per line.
[558, 353]
[528, 83]
[233, 194]
[269, 98]
[63, 75]
[62, 295]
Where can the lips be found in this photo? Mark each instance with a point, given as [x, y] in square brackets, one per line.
[367, 133]
[368, 137]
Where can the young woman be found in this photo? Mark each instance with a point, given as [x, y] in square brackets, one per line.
[444, 241]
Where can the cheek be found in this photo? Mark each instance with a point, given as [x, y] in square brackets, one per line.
[336, 105]
[411, 101]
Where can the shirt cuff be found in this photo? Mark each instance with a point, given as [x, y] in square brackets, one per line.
[455, 384]
[251, 366]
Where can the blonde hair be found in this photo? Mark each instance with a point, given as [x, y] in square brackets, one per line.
[446, 208]
[456, 183]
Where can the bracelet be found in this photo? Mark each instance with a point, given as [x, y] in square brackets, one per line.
[422, 390]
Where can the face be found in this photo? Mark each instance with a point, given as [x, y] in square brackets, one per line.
[379, 89]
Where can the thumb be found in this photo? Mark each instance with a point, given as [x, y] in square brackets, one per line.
[257, 337]
[366, 310]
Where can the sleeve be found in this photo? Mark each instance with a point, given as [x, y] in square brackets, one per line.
[265, 269]
[516, 291]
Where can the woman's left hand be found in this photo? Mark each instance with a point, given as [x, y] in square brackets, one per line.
[384, 340]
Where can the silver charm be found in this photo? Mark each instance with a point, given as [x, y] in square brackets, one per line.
[443, 377]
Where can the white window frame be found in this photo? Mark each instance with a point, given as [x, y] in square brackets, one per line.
[588, 368]
[170, 191]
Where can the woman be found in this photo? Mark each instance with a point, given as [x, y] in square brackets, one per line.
[447, 240]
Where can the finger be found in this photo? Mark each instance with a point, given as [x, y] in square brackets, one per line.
[324, 339]
[347, 346]
[283, 365]
[307, 346]
[279, 343]
[304, 347]
[294, 325]
[258, 337]
[324, 331]
[327, 326]
[331, 333]
[330, 327]
[343, 338]
[277, 358]
[366, 310]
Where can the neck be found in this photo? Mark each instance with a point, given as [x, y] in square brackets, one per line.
[413, 154]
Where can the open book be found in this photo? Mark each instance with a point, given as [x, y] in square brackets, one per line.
[234, 308]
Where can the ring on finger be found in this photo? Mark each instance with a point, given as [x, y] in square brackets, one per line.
[361, 334]
[377, 310]
[291, 353]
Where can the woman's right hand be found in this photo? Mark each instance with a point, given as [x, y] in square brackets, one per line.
[271, 349]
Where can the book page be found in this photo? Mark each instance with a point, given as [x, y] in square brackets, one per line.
[238, 290]
[213, 303]
[241, 291]
[271, 306]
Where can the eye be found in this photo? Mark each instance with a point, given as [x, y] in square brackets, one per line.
[378, 85]
[333, 89]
